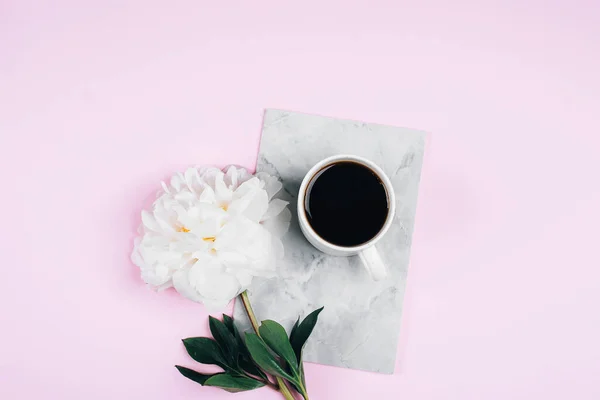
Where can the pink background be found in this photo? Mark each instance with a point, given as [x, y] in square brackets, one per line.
[99, 102]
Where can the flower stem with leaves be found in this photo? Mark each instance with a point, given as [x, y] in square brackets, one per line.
[285, 391]
[249, 363]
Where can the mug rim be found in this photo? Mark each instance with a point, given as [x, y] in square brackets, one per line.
[388, 189]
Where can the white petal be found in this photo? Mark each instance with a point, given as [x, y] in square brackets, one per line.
[279, 225]
[253, 202]
[245, 279]
[271, 184]
[231, 177]
[164, 286]
[164, 221]
[137, 259]
[257, 207]
[235, 176]
[176, 181]
[208, 175]
[186, 245]
[214, 306]
[222, 193]
[206, 211]
[208, 195]
[276, 206]
[185, 196]
[245, 245]
[212, 282]
[206, 229]
[192, 179]
[237, 231]
[149, 222]
[251, 185]
[182, 284]
[157, 275]
[243, 175]
[203, 219]
[232, 260]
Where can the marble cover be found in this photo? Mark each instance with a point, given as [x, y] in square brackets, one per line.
[360, 324]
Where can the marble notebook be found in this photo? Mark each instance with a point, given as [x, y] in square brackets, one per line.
[360, 324]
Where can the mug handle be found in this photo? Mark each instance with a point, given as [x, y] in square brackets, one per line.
[373, 263]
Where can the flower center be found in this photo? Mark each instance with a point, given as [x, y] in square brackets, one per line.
[209, 239]
[182, 229]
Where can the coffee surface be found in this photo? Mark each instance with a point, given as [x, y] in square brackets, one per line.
[346, 204]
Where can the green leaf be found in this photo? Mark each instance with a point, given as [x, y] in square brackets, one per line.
[276, 338]
[293, 332]
[303, 331]
[225, 339]
[228, 321]
[248, 365]
[263, 357]
[193, 375]
[224, 381]
[205, 351]
[233, 384]
[300, 366]
[245, 359]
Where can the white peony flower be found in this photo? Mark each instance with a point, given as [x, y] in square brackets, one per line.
[210, 232]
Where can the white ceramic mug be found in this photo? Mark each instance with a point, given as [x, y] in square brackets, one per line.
[366, 251]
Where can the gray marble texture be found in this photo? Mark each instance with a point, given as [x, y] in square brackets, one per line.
[360, 324]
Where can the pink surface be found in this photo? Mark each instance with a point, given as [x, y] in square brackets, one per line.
[100, 102]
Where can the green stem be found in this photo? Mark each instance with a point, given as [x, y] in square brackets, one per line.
[285, 391]
[304, 394]
[250, 311]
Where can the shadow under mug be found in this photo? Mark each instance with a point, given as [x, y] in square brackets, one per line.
[366, 251]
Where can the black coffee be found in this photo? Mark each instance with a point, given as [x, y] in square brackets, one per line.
[346, 204]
